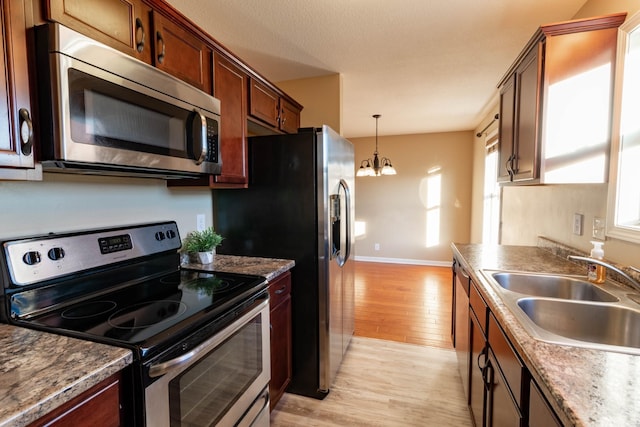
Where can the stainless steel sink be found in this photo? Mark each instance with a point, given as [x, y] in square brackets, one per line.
[543, 285]
[594, 323]
[569, 310]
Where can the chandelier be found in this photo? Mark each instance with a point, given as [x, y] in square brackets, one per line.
[377, 166]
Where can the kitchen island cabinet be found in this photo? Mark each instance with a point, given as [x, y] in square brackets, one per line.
[556, 102]
[16, 128]
[578, 386]
[44, 373]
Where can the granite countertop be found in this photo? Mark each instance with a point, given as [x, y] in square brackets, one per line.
[585, 387]
[41, 371]
[266, 267]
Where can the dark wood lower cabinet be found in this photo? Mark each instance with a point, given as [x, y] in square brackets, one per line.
[281, 363]
[497, 384]
[98, 406]
[501, 409]
[540, 413]
[476, 374]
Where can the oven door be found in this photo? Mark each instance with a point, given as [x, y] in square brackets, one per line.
[223, 381]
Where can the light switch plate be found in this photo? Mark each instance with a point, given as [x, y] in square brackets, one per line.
[577, 224]
[598, 228]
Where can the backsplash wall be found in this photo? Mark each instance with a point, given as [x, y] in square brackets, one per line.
[64, 202]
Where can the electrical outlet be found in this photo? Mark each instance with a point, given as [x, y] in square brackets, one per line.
[376, 246]
[577, 224]
[200, 222]
[598, 228]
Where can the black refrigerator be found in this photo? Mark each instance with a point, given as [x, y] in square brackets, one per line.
[300, 206]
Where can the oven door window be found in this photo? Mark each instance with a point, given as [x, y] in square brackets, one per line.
[203, 394]
[110, 115]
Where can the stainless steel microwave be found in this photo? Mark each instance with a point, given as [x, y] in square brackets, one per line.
[104, 112]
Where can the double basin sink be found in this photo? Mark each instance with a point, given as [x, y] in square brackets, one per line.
[569, 310]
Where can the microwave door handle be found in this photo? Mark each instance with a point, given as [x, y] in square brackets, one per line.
[198, 137]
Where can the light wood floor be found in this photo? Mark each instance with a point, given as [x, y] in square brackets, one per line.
[404, 303]
[400, 369]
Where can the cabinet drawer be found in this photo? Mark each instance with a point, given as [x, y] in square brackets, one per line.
[279, 289]
[479, 307]
[508, 361]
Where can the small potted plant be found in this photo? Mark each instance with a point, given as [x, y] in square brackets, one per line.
[203, 243]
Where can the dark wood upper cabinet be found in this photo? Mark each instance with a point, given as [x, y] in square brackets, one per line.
[556, 102]
[16, 123]
[268, 106]
[180, 53]
[289, 116]
[231, 89]
[121, 24]
[263, 103]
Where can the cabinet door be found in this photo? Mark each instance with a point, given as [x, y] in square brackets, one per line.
[121, 24]
[528, 90]
[263, 103]
[506, 133]
[16, 142]
[540, 413]
[289, 117]
[230, 87]
[181, 53]
[476, 373]
[281, 327]
[280, 350]
[501, 409]
[98, 406]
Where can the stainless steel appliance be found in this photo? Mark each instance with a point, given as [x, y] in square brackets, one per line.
[200, 340]
[300, 205]
[102, 111]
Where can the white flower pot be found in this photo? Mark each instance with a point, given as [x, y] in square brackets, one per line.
[206, 257]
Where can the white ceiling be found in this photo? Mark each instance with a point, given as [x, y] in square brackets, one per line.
[424, 65]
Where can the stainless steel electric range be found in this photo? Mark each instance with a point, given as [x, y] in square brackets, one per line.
[200, 339]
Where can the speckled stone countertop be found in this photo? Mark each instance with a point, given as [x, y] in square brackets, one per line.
[41, 371]
[585, 387]
[266, 267]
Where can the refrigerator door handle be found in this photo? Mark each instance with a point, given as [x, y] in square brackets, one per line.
[347, 193]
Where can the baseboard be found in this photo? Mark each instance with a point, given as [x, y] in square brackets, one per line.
[431, 263]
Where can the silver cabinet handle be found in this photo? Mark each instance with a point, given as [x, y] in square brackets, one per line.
[163, 50]
[26, 131]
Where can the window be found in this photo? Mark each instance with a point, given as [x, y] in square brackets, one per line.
[491, 208]
[623, 218]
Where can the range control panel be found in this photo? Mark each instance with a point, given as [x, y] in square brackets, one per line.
[38, 259]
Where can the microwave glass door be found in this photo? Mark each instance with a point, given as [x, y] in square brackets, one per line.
[110, 115]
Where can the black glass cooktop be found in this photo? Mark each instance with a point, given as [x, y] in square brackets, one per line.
[148, 314]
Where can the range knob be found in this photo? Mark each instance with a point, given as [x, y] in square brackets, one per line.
[55, 254]
[31, 258]
[171, 234]
[160, 236]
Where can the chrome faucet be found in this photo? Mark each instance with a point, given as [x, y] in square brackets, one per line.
[631, 280]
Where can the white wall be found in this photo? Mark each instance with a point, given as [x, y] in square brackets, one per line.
[73, 202]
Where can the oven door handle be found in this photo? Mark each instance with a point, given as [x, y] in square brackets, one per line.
[162, 368]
